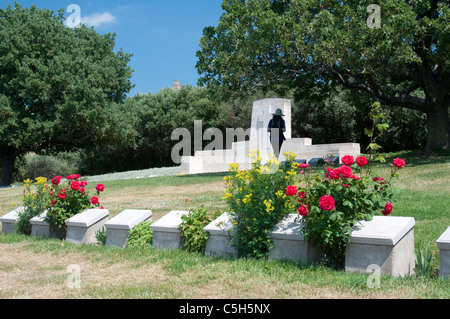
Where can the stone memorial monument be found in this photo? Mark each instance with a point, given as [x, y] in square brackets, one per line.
[257, 137]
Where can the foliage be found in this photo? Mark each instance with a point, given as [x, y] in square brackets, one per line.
[58, 85]
[377, 130]
[335, 114]
[70, 199]
[257, 200]
[37, 165]
[35, 203]
[191, 228]
[301, 44]
[140, 235]
[333, 202]
[100, 236]
[423, 260]
[152, 118]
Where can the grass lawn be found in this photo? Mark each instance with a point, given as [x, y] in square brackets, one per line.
[37, 268]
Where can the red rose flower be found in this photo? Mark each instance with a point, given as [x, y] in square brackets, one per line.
[326, 203]
[380, 180]
[345, 171]
[94, 200]
[303, 210]
[304, 165]
[56, 180]
[53, 202]
[83, 183]
[82, 190]
[75, 185]
[291, 190]
[387, 209]
[399, 163]
[100, 187]
[72, 176]
[333, 173]
[62, 195]
[361, 161]
[348, 160]
[302, 195]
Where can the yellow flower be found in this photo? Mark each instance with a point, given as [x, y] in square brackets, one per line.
[227, 195]
[290, 156]
[41, 181]
[269, 207]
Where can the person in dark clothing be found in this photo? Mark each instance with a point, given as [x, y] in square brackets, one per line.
[277, 127]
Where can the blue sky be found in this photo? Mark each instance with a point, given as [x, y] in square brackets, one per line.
[163, 35]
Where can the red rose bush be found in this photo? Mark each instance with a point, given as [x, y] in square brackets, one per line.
[70, 199]
[331, 203]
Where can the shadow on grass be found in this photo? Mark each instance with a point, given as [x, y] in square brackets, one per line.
[417, 158]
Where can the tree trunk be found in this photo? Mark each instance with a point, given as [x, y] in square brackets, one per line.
[438, 125]
[8, 157]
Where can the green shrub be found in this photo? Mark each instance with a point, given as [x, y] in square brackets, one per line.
[100, 236]
[70, 198]
[140, 235]
[35, 165]
[423, 260]
[35, 199]
[257, 200]
[334, 201]
[191, 229]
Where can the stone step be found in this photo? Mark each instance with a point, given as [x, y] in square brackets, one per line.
[443, 244]
[118, 228]
[220, 240]
[40, 228]
[166, 234]
[82, 227]
[9, 221]
[289, 242]
[386, 242]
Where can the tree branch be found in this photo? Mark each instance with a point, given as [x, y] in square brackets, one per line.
[370, 86]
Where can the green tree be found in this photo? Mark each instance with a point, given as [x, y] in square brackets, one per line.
[301, 44]
[153, 118]
[59, 85]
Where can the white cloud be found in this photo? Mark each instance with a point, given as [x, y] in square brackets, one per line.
[98, 19]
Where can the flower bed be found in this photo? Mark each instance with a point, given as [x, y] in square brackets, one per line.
[257, 200]
[59, 201]
[334, 201]
[330, 203]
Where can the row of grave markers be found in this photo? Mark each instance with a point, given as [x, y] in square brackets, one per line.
[386, 242]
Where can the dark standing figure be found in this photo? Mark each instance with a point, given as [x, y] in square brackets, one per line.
[277, 127]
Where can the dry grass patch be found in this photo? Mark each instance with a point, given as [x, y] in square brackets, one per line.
[160, 199]
[25, 274]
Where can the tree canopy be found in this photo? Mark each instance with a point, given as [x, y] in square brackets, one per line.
[302, 44]
[58, 85]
